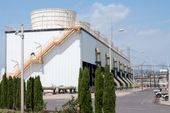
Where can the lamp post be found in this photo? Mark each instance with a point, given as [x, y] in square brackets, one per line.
[22, 66]
[142, 75]
[110, 47]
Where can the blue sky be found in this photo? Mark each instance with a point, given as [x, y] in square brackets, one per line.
[146, 23]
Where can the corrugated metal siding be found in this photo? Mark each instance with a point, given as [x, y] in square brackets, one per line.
[88, 45]
[13, 47]
[61, 65]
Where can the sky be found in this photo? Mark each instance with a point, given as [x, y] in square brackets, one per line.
[146, 23]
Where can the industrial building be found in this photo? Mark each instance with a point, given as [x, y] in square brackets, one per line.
[57, 46]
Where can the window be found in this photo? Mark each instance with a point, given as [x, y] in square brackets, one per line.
[120, 66]
[107, 59]
[115, 64]
[125, 67]
[98, 58]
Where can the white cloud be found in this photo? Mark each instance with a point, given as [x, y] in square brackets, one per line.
[111, 12]
[103, 16]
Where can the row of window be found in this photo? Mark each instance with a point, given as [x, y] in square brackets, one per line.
[115, 63]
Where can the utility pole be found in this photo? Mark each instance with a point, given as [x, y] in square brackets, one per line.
[154, 79]
[142, 77]
[110, 49]
[22, 68]
[150, 78]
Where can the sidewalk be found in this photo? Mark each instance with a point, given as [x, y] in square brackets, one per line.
[163, 102]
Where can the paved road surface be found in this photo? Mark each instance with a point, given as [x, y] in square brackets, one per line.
[137, 102]
[140, 102]
[53, 103]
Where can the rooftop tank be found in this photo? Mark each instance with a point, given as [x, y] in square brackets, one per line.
[52, 18]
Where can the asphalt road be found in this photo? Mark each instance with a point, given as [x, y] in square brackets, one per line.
[137, 102]
[140, 102]
[52, 104]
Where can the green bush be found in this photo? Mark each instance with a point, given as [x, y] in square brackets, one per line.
[109, 96]
[30, 94]
[10, 93]
[38, 95]
[79, 81]
[85, 95]
[98, 90]
[4, 91]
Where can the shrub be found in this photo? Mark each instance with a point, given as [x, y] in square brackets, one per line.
[38, 95]
[85, 95]
[98, 90]
[109, 96]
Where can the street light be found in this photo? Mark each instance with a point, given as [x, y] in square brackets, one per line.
[21, 34]
[110, 47]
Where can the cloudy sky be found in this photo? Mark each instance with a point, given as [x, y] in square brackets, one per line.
[146, 23]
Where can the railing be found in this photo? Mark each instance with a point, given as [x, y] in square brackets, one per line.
[59, 40]
[101, 37]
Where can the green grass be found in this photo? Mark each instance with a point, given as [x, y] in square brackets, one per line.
[8, 111]
[13, 111]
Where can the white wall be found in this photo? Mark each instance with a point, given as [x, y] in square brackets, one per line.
[13, 46]
[88, 50]
[61, 65]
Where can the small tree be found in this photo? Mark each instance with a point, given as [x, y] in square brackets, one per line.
[38, 95]
[98, 90]
[0, 96]
[30, 94]
[10, 93]
[79, 87]
[14, 91]
[4, 91]
[109, 96]
[18, 93]
[85, 95]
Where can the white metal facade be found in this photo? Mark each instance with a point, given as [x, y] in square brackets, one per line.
[89, 44]
[13, 45]
[61, 65]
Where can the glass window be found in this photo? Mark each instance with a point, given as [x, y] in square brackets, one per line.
[98, 58]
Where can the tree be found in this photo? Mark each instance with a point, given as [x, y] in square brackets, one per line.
[10, 93]
[0, 96]
[85, 95]
[109, 96]
[98, 90]
[79, 88]
[4, 91]
[18, 93]
[30, 94]
[14, 91]
[38, 95]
